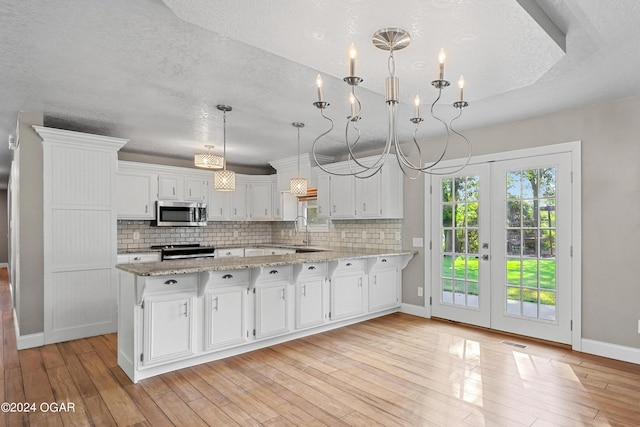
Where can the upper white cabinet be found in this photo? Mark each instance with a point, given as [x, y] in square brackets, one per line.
[196, 189]
[347, 197]
[259, 198]
[170, 187]
[238, 200]
[136, 193]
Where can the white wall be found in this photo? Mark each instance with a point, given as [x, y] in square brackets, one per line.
[610, 135]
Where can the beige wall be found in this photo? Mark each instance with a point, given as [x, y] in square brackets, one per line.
[610, 135]
[4, 240]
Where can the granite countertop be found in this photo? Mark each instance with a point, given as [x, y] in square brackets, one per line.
[198, 265]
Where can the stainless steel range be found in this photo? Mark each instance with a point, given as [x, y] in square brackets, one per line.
[185, 251]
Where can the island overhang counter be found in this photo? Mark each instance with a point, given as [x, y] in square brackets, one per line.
[176, 314]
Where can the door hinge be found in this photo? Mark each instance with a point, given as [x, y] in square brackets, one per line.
[141, 357]
[430, 300]
[571, 325]
[142, 305]
[571, 177]
[571, 250]
[254, 332]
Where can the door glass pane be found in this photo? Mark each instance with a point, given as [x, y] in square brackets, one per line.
[530, 243]
[460, 241]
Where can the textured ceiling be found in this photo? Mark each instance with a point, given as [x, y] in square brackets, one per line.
[153, 71]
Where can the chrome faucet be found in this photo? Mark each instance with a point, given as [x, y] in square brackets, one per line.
[306, 228]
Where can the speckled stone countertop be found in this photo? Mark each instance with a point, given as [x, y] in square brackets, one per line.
[198, 265]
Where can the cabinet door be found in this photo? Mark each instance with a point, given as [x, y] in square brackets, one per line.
[347, 296]
[271, 309]
[369, 196]
[324, 196]
[169, 187]
[343, 197]
[383, 289]
[136, 195]
[218, 205]
[168, 328]
[195, 189]
[225, 317]
[259, 201]
[310, 303]
[238, 199]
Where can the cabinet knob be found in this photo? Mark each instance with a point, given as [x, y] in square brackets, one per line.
[171, 282]
[228, 253]
[137, 258]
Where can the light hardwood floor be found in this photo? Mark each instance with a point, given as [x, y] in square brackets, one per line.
[397, 370]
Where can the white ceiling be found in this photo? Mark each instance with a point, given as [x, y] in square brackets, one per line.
[153, 71]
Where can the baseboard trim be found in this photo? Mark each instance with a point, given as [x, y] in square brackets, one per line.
[415, 310]
[612, 351]
[26, 341]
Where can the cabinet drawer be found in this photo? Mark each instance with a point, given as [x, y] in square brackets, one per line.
[309, 269]
[172, 283]
[228, 277]
[351, 265]
[225, 253]
[272, 274]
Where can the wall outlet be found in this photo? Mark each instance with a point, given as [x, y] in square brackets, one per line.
[398, 236]
[136, 235]
[420, 291]
[382, 235]
[417, 242]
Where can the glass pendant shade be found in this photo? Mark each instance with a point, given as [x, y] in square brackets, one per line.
[208, 160]
[224, 180]
[299, 186]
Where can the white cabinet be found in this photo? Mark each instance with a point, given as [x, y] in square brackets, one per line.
[135, 258]
[170, 187]
[279, 251]
[343, 197]
[136, 194]
[272, 301]
[383, 289]
[225, 309]
[346, 197]
[229, 252]
[238, 201]
[284, 206]
[348, 289]
[324, 195]
[218, 204]
[310, 284]
[259, 199]
[196, 189]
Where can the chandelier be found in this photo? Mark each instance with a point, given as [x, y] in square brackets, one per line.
[223, 179]
[208, 160]
[391, 40]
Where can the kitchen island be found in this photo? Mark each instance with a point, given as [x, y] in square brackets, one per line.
[180, 313]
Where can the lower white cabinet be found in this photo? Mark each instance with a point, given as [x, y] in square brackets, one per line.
[311, 294]
[225, 316]
[271, 289]
[348, 289]
[383, 289]
[168, 332]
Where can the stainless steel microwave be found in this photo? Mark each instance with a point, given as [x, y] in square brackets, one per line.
[180, 214]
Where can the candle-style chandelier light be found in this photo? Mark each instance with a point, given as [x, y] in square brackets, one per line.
[391, 40]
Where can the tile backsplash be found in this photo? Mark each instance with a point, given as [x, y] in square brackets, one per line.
[138, 235]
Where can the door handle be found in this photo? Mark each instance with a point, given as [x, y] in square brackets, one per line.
[485, 257]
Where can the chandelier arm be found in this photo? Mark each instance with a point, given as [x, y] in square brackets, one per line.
[403, 159]
[466, 163]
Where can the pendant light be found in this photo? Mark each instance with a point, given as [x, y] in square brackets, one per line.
[208, 160]
[224, 180]
[298, 183]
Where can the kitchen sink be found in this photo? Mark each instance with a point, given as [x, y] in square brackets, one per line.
[305, 250]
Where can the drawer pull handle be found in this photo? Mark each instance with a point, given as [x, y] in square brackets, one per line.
[384, 260]
[228, 276]
[273, 272]
[137, 258]
[228, 253]
[311, 267]
[171, 282]
[348, 264]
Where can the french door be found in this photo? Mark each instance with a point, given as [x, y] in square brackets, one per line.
[501, 255]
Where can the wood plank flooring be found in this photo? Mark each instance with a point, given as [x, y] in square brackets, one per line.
[397, 370]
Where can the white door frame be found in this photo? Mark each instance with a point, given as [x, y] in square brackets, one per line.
[574, 148]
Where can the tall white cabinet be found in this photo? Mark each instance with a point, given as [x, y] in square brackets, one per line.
[80, 229]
